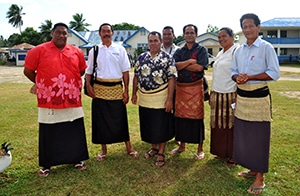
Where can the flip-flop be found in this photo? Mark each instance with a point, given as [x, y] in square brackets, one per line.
[256, 190]
[246, 174]
[43, 172]
[81, 165]
[101, 157]
[200, 156]
[134, 154]
[176, 151]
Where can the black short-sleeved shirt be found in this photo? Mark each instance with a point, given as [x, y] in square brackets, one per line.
[196, 52]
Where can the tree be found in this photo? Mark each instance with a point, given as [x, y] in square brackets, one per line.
[14, 16]
[31, 36]
[45, 30]
[79, 23]
[212, 29]
[125, 26]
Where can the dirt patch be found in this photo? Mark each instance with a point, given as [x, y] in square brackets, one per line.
[291, 94]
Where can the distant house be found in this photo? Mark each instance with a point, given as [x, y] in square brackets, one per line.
[209, 41]
[130, 39]
[19, 52]
[283, 34]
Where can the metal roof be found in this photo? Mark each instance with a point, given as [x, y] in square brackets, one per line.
[94, 39]
[281, 22]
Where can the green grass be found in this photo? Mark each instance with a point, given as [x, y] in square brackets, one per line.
[121, 175]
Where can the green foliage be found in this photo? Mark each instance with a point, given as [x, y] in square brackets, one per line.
[45, 31]
[212, 29]
[121, 175]
[178, 39]
[14, 15]
[125, 26]
[79, 23]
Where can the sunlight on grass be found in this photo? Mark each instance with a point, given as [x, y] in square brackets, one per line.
[120, 174]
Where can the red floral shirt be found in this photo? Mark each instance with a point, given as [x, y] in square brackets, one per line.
[58, 79]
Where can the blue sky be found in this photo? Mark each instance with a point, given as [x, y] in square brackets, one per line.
[152, 14]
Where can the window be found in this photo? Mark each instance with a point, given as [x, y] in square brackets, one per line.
[142, 46]
[272, 34]
[142, 32]
[210, 50]
[283, 51]
[283, 34]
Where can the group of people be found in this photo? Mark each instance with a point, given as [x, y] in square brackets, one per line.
[169, 91]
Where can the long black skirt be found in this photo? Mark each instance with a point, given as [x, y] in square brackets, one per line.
[156, 125]
[62, 143]
[109, 121]
[251, 144]
[189, 130]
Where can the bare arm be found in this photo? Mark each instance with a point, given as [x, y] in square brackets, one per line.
[243, 78]
[169, 101]
[134, 90]
[126, 83]
[184, 64]
[30, 74]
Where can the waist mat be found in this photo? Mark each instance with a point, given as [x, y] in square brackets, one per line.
[260, 92]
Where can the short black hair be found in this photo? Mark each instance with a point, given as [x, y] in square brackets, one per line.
[190, 25]
[155, 33]
[169, 27]
[60, 24]
[112, 29]
[250, 16]
[228, 31]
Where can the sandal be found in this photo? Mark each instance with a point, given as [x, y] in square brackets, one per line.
[134, 154]
[100, 157]
[200, 156]
[246, 174]
[230, 163]
[150, 153]
[81, 165]
[160, 162]
[44, 172]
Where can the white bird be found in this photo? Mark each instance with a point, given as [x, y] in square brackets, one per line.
[5, 156]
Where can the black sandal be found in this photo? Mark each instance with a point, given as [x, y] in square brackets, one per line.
[150, 154]
[160, 162]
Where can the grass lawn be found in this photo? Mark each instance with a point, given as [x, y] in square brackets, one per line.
[121, 175]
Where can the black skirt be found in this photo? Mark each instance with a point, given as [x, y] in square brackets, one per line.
[189, 130]
[251, 144]
[62, 143]
[156, 125]
[109, 121]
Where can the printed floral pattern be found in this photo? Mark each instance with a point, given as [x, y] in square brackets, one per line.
[153, 72]
[59, 92]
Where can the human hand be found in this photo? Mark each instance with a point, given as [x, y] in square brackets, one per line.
[33, 89]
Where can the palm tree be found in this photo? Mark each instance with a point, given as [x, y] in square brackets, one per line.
[14, 14]
[45, 30]
[78, 23]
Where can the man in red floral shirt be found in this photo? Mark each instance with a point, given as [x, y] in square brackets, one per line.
[56, 69]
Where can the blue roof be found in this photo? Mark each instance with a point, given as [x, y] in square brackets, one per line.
[281, 22]
[94, 38]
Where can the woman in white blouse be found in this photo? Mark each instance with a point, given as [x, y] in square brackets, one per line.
[223, 94]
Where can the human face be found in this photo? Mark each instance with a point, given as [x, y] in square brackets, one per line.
[154, 44]
[190, 34]
[59, 36]
[250, 30]
[106, 34]
[225, 40]
[167, 37]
